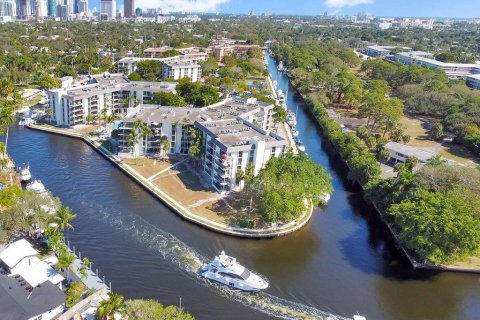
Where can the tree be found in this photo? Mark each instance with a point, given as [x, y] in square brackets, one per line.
[62, 218]
[65, 261]
[437, 227]
[47, 82]
[90, 118]
[140, 131]
[74, 293]
[151, 309]
[195, 151]
[7, 118]
[284, 184]
[164, 146]
[168, 99]
[108, 308]
[436, 132]
[279, 116]
[149, 70]
[135, 77]
[197, 94]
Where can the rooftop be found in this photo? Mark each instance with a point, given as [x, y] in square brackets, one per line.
[20, 303]
[16, 251]
[409, 151]
[39, 272]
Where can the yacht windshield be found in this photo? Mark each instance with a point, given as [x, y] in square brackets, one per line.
[245, 274]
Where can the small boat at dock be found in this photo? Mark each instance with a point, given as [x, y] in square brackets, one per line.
[37, 186]
[25, 174]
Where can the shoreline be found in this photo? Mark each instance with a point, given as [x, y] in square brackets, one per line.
[414, 264]
[176, 207]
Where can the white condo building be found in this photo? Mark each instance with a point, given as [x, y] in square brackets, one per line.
[426, 59]
[236, 133]
[8, 8]
[176, 70]
[108, 8]
[115, 93]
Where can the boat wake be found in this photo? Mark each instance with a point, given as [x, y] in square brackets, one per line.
[190, 261]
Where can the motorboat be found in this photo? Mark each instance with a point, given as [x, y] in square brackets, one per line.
[281, 96]
[280, 67]
[226, 270]
[275, 84]
[25, 121]
[291, 119]
[295, 132]
[37, 186]
[301, 146]
[25, 174]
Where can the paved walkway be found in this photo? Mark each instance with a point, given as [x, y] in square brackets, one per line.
[166, 169]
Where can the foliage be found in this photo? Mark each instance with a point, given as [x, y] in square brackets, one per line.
[149, 70]
[437, 227]
[168, 99]
[197, 94]
[74, 293]
[108, 308]
[284, 184]
[62, 218]
[152, 310]
[47, 82]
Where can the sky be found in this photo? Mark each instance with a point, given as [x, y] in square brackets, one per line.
[397, 8]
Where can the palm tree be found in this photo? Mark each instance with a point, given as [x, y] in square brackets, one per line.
[7, 118]
[65, 261]
[139, 130]
[108, 308]
[279, 116]
[164, 146]
[132, 140]
[62, 219]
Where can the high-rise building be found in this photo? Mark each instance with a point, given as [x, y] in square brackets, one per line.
[82, 6]
[138, 12]
[63, 12]
[8, 8]
[23, 9]
[41, 9]
[129, 8]
[108, 8]
[52, 8]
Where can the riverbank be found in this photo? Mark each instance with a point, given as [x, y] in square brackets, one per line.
[456, 267]
[173, 204]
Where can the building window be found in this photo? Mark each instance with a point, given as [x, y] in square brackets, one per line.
[273, 152]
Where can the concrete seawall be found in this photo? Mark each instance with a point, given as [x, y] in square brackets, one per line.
[176, 207]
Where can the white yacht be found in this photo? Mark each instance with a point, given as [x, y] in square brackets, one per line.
[281, 96]
[291, 119]
[301, 146]
[25, 174]
[280, 67]
[37, 186]
[226, 270]
[295, 132]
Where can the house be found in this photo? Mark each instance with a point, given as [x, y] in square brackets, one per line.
[18, 256]
[401, 152]
[22, 302]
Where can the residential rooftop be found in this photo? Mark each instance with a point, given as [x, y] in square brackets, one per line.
[19, 303]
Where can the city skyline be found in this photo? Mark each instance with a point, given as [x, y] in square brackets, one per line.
[405, 8]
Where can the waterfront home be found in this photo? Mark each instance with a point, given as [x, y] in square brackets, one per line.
[112, 92]
[18, 256]
[20, 302]
[401, 152]
[236, 133]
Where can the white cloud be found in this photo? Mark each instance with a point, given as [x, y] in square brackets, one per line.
[183, 5]
[345, 3]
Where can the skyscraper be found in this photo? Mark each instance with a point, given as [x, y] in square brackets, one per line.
[52, 8]
[129, 8]
[8, 8]
[23, 9]
[108, 8]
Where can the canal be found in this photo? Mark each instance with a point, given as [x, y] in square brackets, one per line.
[342, 262]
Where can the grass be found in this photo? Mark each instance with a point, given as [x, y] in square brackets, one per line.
[418, 132]
[459, 154]
[148, 167]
